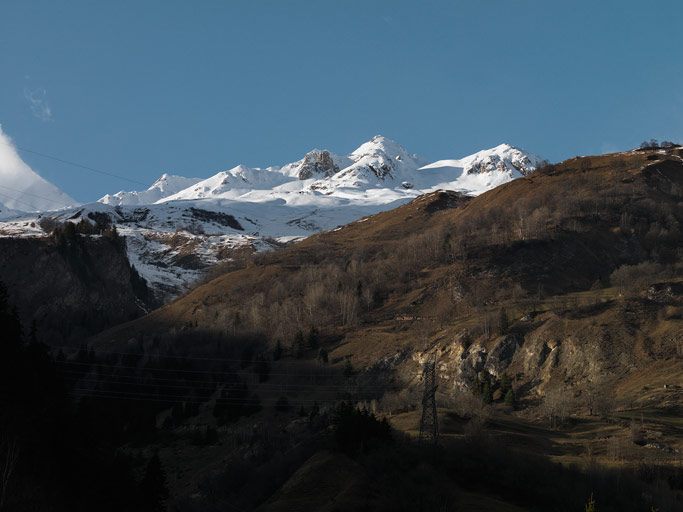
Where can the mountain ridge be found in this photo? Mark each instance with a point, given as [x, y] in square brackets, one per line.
[175, 234]
[165, 185]
[379, 161]
[521, 280]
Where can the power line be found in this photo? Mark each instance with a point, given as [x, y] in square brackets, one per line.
[17, 200]
[83, 394]
[210, 372]
[161, 397]
[152, 356]
[31, 194]
[211, 385]
[75, 164]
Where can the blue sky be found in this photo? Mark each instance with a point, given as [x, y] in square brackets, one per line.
[144, 87]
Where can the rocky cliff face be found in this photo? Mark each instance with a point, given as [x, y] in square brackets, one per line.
[573, 346]
[317, 164]
[71, 288]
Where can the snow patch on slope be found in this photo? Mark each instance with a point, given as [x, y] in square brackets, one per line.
[482, 171]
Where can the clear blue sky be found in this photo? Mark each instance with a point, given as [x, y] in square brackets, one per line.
[193, 87]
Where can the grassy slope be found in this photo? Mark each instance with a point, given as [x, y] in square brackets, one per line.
[550, 236]
[554, 238]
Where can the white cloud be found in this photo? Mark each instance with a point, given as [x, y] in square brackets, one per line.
[37, 102]
[21, 188]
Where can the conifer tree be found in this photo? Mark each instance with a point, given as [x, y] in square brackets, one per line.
[33, 333]
[503, 321]
[510, 397]
[299, 345]
[312, 341]
[153, 486]
[277, 351]
[10, 330]
[262, 368]
[487, 394]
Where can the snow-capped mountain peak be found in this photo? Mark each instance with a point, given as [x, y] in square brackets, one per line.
[250, 206]
[379, 162]
[164, 186]
[481, 171]
[232, 183]
[502, 158]
[170, 183]
[380, 145]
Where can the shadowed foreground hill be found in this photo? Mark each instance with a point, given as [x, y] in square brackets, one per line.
[69, 286]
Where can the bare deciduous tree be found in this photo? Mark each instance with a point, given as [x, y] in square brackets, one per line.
[348, 305]
[555, 406]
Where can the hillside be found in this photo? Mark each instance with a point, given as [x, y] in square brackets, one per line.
[444, 262]
[69, 286]
[553, 305]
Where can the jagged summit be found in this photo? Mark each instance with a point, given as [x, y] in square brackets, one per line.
[317, 163]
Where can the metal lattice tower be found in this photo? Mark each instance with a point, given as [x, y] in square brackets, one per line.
[429, 428]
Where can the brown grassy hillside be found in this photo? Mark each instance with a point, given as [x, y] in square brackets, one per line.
[554, 307]
[547, 271]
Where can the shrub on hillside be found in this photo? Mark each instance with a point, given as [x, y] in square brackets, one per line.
[649, 144]
[634, 277]
[48, 224]
[358, 430]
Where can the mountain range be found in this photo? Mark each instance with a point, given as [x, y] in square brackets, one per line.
[549, 307]
[180, 226]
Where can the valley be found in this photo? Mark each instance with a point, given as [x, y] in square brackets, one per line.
[552, 307]
[387, 256]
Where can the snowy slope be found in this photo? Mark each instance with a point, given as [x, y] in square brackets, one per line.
[166, 185]
[232, 183]
[255, 184]
[380, 170]
[378, 163]
[23, 189]
[175, 232]
[8, 213]
[482, 171]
